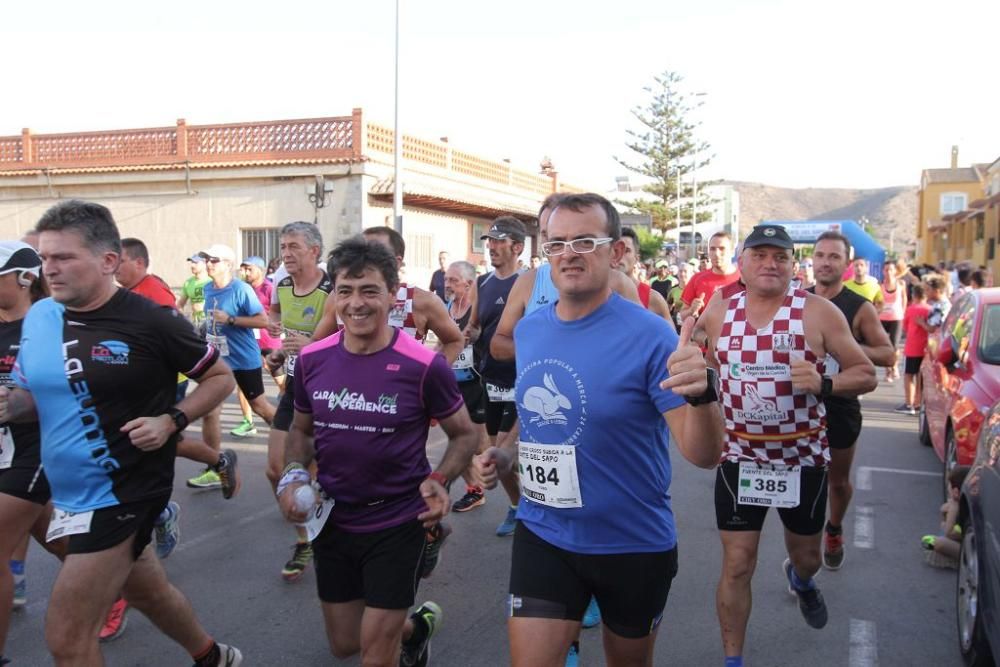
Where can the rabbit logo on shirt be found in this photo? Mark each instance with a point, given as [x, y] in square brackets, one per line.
[546, 402]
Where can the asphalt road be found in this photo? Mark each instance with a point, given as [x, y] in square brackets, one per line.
[887, 607]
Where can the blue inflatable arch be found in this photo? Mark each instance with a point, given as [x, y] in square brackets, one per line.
[807, 231]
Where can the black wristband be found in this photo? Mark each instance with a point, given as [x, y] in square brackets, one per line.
[179, 419]
[826, 388]
[231, 321]
[711, 395]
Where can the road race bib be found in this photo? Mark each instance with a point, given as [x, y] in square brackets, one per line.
[499, 394]
[290, 364]
[464, 360]
[318, 517]
[220, 343]
[768, 486]
[548, 474]
[397, 316]
[64, 523]
[6, 447]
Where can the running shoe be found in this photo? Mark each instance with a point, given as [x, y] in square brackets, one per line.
[429, 615]
[833, 550]
[20, 591]
[209, 479]
[167, 530]
[473, 498]
[432, 547]
[244, 429]
[905, 409]
[573, 657]
[927, 542]
[811, 602]
[298, 563]
[592, 617]
[509, 524]
[229, 656]
[114, 624]
[229, 476]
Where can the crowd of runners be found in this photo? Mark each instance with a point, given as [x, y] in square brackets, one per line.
[750, 366]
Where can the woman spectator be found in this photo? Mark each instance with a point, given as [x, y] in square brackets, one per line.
[891, 315]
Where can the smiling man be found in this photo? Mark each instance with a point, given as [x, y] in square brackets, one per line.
[593, 444]
[364, 399]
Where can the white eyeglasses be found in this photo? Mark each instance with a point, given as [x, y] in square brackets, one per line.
[579, 246]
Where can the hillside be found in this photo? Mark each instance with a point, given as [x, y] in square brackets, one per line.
[887, 209]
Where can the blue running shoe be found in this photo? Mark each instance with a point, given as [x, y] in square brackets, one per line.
[811, 602]
[167, 530]
[573, 657]
[509, 524]
[592, 617]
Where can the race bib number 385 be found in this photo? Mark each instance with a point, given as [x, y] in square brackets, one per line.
[768, 486]
[548, 475]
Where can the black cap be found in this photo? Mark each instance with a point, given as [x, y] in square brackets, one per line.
[506, 228]
[773, 235]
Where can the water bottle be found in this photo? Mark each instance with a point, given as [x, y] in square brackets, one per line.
[305, 498]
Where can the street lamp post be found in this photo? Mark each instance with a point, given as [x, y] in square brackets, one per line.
[694, 189]
[397, 181]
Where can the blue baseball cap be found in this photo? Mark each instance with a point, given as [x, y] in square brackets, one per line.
[255, 261]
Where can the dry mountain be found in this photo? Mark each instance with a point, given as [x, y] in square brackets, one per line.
[886, 209]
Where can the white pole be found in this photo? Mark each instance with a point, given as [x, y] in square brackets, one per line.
[397, 181]
[694, 202]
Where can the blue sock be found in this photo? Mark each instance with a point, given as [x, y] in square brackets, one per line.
[801, 585]
[734, 661]
[17, 567]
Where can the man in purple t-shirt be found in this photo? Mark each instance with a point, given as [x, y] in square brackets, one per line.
[364, 398]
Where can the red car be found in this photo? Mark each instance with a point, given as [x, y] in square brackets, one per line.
[960, 377]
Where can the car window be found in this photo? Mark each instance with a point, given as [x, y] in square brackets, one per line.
[959, 326]
[960, 306]
[989, 337]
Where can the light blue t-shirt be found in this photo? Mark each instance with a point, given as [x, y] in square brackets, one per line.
[238, 299]
[543, 292]
[569, 393]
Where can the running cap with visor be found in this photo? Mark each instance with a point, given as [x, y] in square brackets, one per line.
[772, 235]
[506, 229]
[220, 251]
[255, 261]
[19, 256]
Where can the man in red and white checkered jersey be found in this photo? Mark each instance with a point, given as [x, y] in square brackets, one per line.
[769, 343]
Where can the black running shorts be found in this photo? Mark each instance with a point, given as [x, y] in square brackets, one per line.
[111, 526]
[912, 365]
[26, 483]
[549, 582]
[250, 382]
[500, 416]
[806, 519]
[475, 400]
[382, 568]
[843, 422]
[286, 408]
[894, 329]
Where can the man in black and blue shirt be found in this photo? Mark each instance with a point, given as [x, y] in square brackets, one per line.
[98, 365]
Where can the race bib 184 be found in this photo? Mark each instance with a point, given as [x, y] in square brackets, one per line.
[549, 475]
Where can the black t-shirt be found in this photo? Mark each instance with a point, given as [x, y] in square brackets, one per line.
[19, 448]
[92, 372]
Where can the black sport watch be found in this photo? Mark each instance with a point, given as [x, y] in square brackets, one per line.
[711, 395]
[179, 419]
[826, 388]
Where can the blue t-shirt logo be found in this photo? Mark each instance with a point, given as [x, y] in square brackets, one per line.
[553, 394]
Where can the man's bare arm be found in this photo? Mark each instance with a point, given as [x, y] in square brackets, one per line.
[876, 344]
[625, 287]
[658, 305]
[502, 343]
[857, 375]
[437, 319]
[327, 324]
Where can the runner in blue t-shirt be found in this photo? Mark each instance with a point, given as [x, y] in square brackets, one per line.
[594, 440]
[232, 312]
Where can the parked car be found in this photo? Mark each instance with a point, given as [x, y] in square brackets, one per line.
[960, 376]
[978, 590]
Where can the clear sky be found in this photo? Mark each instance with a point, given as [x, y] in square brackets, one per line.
[799, 93]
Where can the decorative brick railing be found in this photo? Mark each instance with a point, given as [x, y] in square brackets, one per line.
[319, 139]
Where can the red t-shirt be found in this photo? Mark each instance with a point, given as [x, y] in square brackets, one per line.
[916, 335]
[705, 283]
[153, 288]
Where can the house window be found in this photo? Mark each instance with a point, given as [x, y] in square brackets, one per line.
[264, 243]
[952, 202]
[419, 250]
[478, 230]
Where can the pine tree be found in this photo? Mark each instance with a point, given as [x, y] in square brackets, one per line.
[667, 152]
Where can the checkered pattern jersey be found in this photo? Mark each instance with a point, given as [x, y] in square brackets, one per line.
[401, 315]
[766, 420]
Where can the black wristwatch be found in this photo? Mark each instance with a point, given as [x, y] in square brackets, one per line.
[179, 419]
[231, 321]
[711, 395]
[826, 388]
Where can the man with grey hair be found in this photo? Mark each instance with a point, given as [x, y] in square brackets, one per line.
[296, 306]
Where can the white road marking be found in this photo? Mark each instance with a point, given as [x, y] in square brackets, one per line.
[212, 535]
[863, 477]
[864, 645]
[864, 527]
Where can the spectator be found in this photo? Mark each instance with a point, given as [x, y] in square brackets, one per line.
[964, 274]
[863, 284]
[915, 323]
[943, 550]
[437, 279]
[979, 279]
[893, 309]
[936, 291]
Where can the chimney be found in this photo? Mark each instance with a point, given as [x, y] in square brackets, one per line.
[954, 157]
